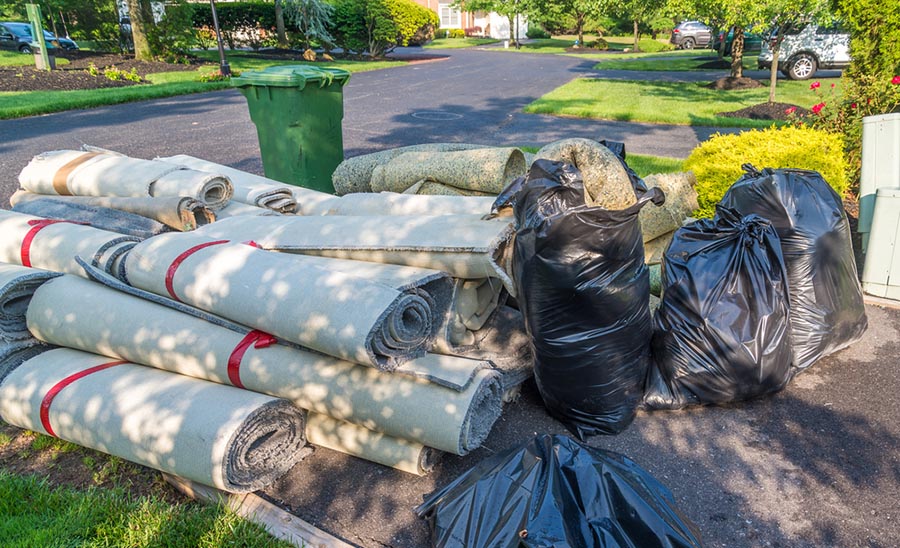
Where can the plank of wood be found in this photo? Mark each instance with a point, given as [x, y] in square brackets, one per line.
[881, 301]
[254, 508]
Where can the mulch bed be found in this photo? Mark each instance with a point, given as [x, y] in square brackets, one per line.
[729, 83]
[75, 74]
[766, 111]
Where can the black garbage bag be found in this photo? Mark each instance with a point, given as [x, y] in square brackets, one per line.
[827, 309]
[554, 492]
[584, 291]
[722, 331]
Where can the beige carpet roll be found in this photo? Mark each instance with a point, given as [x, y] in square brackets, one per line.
[354, 440]
[53, 245]
[231, 439]
[72, 312]
[605, 179]
[681, 201]
[79, 173]
[355, 174]
[390, 203]
[15, 353]
[238, 209]
[248, 188]
[433, 188]
[655, 249]
[464, 246]
[17, 286]
[179, 212]
[341, 315]
[473, 303]
[484, 169]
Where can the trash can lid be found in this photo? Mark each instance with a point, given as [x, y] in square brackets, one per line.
[292, 76]
[888, 192]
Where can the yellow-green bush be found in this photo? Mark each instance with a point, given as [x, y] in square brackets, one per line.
[717, 162]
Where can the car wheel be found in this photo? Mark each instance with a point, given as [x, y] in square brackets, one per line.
[688, 43]
[25, 49]
[802, 67]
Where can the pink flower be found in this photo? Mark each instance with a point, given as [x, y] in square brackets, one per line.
[818, 108]
[832, 86]
[814, 85]
[790, 110]
[895, 80]
[852, 105]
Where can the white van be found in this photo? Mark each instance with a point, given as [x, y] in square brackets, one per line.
[807, 48]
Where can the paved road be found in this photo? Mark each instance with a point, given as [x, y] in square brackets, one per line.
[472, 96]
[816, 465]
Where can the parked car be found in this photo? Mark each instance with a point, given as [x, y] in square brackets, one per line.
[17, 36]
[752, 42]
[807, 48]
[690, 35]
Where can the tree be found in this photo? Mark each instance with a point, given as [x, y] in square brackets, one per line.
[312, 18]
[637, 11]
[579, 10]
[279, 23]
[785, 14]
[511, 9]
[377, 26]
[141, 15]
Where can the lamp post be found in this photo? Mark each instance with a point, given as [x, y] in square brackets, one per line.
[223, 64]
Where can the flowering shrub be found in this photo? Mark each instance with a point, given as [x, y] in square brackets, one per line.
[115, 74]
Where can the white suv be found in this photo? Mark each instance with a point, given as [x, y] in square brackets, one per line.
[808, 48]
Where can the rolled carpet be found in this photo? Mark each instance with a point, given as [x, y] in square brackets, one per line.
[79, 173]
[464, 246]
[605, 179]
[355, 174]
[433, 188]
[181, 213]
[231, 439]
[53, 245]
[237, 209]
[248, 188]
[487, 170]
[351, 439]
[72, 312]
[297, 300]
[104, 218]
[655, 249]
[17, 286]
[390, 203]
[681, 201]
[15, 353]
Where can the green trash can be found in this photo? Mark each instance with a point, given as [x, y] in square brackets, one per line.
[297, 110]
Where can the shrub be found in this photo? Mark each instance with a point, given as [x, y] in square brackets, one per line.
[537, 33]
[241, 23]
[174, 35]
[652, 46]
[599, 43]
[377, 26]
[875, 52]
[473, 32]
[717, 162]
[450, 33]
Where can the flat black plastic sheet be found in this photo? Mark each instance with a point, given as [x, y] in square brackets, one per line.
[584, 291]
[827, 309]
[722, 331]
[555, 492]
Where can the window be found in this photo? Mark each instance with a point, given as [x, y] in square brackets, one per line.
[449, 16]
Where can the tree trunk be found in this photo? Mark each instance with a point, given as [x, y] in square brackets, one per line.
[279, 23]
[637, 36]
[141, 17]
[579, 21]
[737, 53]
[773, 72]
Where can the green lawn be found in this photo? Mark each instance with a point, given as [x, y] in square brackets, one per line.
[16, 59]
[663, 102]
[455, 43]
[669, 62]
[644, 165]
[16, 104]
[36, 514]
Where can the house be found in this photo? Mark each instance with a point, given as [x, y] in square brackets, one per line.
[491, 24]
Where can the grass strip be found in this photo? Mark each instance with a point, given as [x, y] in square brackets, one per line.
[17, 104]
[456, 43]
[668, 63]
[36, 514]
[16, 59]
[679, 103]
